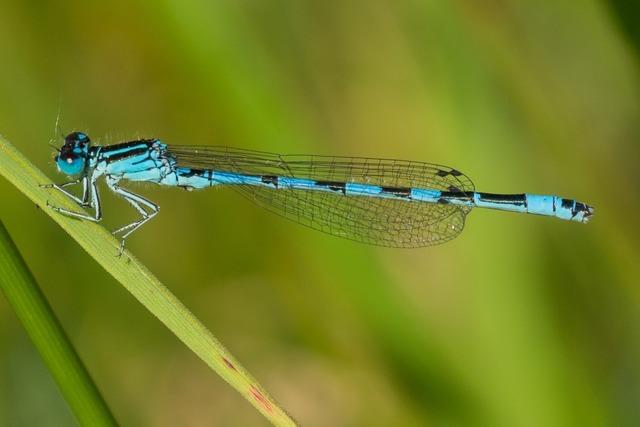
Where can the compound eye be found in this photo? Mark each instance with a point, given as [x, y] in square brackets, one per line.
[70, 164]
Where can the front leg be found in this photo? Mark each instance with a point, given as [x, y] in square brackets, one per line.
[90, 198]
[84, 201]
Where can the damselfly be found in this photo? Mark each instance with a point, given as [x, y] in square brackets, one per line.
[382, 202]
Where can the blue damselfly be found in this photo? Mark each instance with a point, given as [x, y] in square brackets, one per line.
[383, 202]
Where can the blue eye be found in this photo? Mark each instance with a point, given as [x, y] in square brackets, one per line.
[70, 165]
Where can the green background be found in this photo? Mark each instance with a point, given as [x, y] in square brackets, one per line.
[521, 321]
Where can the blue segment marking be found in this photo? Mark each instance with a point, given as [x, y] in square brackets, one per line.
[425, 195]
[355, 189]
[541, 205]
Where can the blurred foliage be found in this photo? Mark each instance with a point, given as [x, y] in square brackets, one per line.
[521, 321]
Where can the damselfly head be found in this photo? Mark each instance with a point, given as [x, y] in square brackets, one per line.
[72, 156]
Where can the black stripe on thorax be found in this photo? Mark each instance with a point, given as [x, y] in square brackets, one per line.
[125, 150]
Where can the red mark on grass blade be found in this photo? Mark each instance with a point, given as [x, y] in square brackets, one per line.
[261, 399]
[229, 364]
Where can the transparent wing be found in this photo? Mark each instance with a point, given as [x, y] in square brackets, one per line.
[377, 221]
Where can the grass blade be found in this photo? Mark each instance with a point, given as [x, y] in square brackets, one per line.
[30, 305]
[142, 284]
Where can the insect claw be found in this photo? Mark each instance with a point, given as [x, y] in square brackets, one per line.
[121, 249]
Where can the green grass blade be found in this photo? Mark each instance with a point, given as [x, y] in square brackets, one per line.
[138, 280]
[46, 333]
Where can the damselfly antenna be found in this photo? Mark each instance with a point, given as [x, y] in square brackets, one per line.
[57, 131]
